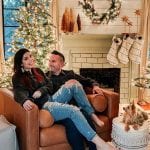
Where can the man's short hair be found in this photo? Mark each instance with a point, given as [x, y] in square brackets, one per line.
[55, 52]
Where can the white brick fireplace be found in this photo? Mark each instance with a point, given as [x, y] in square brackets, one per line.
[90, 51]
[89, 48]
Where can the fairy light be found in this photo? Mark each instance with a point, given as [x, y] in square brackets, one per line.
[35, 32]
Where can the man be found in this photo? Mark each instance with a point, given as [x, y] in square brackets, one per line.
[60, 77]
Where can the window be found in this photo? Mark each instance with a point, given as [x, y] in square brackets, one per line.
[9, 24]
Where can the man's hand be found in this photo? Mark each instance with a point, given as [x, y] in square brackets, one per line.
[97, 90]
[37, 94]
[28, 105]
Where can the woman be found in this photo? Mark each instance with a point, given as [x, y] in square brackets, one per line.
[31, 86]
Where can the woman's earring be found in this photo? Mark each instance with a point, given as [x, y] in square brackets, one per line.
[22, 69]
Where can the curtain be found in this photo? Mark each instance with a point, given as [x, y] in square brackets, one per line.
[55, 16]
[1, 38]
[145, 31]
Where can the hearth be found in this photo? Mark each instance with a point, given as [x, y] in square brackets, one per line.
[106, 77]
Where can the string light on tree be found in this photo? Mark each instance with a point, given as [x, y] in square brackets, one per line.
[35, 32]
[109, 15]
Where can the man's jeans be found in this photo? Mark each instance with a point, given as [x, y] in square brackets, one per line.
[64, 95]
[75, 91]
[76, 140]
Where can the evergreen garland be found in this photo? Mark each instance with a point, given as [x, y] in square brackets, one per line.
[112, 12]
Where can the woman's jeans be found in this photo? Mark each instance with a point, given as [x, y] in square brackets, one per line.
[59, 110]
[75, 91]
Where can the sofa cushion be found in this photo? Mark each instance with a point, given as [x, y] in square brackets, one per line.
[99, 102]
[45, 118]
[53, 135]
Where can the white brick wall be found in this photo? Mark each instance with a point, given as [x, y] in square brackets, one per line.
[86, 56]
[101, 62]
[128, 8]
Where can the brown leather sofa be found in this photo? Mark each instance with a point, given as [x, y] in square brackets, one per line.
[36, 129]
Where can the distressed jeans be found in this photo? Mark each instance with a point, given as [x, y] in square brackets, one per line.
[61, 111]
[65, 94]
[58, 107]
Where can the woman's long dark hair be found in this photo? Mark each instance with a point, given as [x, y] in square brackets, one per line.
[18, 60]
[18, 68]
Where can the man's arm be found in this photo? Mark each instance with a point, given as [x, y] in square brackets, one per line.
[88, 82]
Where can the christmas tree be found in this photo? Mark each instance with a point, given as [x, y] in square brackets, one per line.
[35, 32]
[144, 81]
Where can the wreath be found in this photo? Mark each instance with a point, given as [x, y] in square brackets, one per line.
[112, 12]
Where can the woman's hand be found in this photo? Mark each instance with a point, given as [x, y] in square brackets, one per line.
[37, 94]
[28, 105]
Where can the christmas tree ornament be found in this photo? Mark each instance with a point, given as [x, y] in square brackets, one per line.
[75, 27]
[72, 20]
[65, 22]
[124, 50]
[136, 50]
[79, 22]
[112, 54]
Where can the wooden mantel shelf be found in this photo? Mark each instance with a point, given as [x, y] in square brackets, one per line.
[86, 36]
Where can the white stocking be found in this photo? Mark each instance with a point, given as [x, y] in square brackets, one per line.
[135, 52]
[112, 54]
[124, 50]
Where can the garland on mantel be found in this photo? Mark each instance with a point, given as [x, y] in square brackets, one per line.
[112, 12]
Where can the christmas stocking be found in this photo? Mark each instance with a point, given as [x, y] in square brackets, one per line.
[124, 50]
[112, 54]
[135, 52]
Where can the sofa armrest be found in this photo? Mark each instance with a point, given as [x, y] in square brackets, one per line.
[26, 122]
[107, 104]
[113, 100]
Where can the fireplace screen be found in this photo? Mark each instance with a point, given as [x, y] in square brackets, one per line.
[106, 77]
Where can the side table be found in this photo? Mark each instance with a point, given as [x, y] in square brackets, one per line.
[146, 109]
[131, 140]
[8, 138]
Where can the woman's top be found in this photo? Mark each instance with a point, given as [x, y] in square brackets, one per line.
[26, 83]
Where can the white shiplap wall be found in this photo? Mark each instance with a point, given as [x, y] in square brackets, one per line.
[128, 8]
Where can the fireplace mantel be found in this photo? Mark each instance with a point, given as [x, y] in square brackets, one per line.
[90, 51]
[86, 36]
